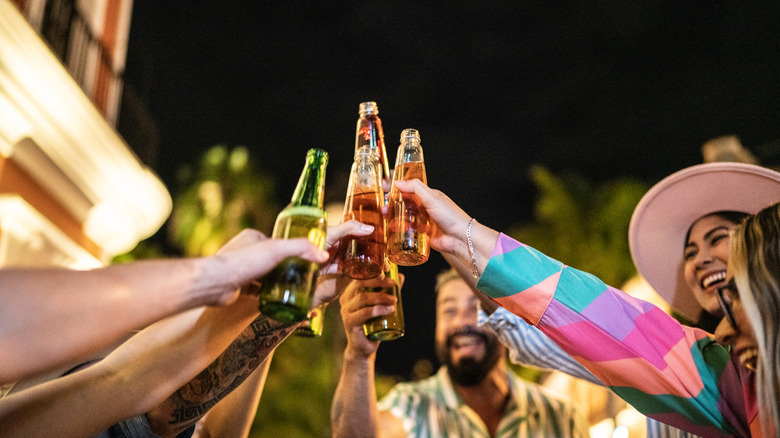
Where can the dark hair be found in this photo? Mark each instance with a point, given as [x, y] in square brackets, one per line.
[735, 217]
[445, 277]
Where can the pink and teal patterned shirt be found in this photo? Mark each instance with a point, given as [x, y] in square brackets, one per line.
[673, 373]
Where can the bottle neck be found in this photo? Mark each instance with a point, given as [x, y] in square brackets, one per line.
[310, 190]
[370, 134]
[410, 149]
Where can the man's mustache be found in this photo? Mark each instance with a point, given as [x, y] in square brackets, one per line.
[466, 330]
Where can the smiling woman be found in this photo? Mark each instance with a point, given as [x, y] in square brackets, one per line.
[674, 373]
[691, 213]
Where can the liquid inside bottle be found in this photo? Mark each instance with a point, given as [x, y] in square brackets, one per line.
[286, 292]
[314, 325]
[387, 327]
[362, 257]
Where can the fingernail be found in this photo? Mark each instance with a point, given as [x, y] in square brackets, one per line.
[366, 227]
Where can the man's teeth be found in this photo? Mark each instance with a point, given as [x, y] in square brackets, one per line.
[714, 278]
[464, 341]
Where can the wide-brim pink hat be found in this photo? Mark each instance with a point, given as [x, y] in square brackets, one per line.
[661, 220]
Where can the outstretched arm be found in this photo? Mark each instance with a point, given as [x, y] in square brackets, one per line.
[38, 305]
[233, 416]
[676, 374]
[354, 411]
[250, 350]
[190, 402]
[528, 346]
[148, 368]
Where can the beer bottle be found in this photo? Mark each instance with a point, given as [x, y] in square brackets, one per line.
[369, 134]
[408, 227]
[363, 257]
[286, 292]
[387, 327]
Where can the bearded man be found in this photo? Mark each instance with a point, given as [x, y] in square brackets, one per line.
[473, 394]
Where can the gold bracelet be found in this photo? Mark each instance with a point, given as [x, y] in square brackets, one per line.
[475, 272]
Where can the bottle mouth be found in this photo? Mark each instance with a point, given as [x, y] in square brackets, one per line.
[318, 153]
[410, 133]
[369, 108]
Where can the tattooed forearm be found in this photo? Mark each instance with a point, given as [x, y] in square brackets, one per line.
[229, 370]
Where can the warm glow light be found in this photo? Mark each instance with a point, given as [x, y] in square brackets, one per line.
[620, 432]
[602, 429]
[41, 107]
[29, 239]
[14, 126]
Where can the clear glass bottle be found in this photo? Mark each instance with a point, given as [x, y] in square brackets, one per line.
[408, 227]
[363, 257]
[369, 134]
[286, 292]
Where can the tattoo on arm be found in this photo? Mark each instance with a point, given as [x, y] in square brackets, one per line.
[236, 363]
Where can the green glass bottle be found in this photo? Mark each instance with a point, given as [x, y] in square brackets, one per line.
[286, 292]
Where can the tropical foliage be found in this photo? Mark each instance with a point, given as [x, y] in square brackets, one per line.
[583, 223]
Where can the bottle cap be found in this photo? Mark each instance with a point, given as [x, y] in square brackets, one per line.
[369, 108]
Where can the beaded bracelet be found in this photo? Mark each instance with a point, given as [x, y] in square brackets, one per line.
[475, 272]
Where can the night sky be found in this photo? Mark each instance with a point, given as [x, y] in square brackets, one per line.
[614, 90]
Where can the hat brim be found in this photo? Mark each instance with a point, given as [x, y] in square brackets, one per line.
[661, 220]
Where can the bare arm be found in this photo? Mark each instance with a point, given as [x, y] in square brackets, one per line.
[252, 348]
[38, 305]
[148, 368]
[233, 416]
[354, 411]
[131, 380]
[190, 402]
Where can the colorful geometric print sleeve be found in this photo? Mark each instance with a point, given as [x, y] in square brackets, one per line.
[528, 346]
[676, 374]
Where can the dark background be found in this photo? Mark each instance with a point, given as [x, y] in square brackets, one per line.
[608, 90]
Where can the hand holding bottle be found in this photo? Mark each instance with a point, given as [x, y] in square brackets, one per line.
[286, 292]
[251, 254]
[331, 282]
[407, 221]
[357, 307]
[450, 226]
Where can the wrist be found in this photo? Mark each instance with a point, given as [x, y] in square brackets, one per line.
[357, 356]
[477, 247]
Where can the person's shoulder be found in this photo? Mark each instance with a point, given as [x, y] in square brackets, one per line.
[425, 385]
[409, 395]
